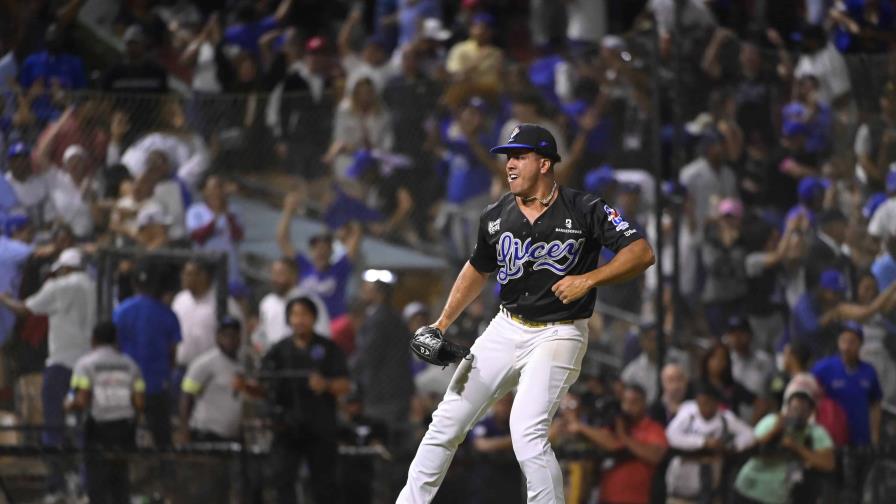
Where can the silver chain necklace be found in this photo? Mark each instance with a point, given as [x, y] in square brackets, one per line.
[544, 202]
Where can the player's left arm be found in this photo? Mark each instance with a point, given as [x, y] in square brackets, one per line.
[629, 262]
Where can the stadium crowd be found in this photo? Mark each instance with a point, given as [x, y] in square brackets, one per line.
[778, 194]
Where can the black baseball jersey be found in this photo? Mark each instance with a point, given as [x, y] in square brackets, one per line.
[531, 257]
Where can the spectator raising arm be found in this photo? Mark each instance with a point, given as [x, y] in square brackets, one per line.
[343, 40]
[785, 64]
[351, 238]
[710, 62]
[861, 312]
[42, 156]
[284, 239]
[283, 11]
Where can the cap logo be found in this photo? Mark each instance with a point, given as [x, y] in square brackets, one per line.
[513, 134]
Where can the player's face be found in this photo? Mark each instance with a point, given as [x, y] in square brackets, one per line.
[524, 168]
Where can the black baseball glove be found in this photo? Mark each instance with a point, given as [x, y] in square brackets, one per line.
[429, 345]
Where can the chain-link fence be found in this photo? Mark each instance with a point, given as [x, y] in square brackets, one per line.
[634, 106]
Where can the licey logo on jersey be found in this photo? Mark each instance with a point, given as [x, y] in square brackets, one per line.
[615, 218]
[513, 254]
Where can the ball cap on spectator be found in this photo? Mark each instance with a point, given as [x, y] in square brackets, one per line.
[434, 30]
[316, 44]
[737, 323]
[731, 207]
[853, 327]
[801, 382]
[891, 181]
[412, 309]
[15, 223]
[532, 137]
[794, 120]
[17, 149]
[484, 18]
[229, 322]
[600, 179]
[152, 214]
[832, 280]
[811, 187]
[73, 151]
[803, 393]
[872, 204]
[134, 33]
[69, 258]
[377, 40]
[613, 42]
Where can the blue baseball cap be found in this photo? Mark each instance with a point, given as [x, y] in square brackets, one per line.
[484, 18]
[853, 327]
[378, 40]
[229, 322]
[872, 204]
[531, 137]
[832, 280]
[599, 179]
[15, 223]
[811, 187]
[891, 181]
[674, 191]
[17, 149]
[793, 119]
[793, 128]
[794, 112]
[737, 323]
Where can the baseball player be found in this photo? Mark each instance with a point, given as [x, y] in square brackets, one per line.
[543, 240]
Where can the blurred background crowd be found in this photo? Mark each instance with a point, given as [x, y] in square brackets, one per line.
[267, 198]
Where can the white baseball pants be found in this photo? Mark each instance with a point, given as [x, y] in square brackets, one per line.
[542, 363]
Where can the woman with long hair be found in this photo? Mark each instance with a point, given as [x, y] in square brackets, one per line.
[716, 370]
[362, 123]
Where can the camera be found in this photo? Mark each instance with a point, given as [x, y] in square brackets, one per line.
[604, 411]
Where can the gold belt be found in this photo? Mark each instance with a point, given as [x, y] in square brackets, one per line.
[531, 323]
